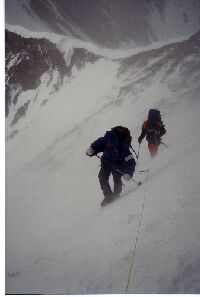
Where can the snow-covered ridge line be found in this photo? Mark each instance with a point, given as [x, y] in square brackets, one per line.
[65, 43]
[28, 61]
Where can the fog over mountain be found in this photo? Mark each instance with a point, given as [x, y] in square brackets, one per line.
[110, 23]
[75, 69]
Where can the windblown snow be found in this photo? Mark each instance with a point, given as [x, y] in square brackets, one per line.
[58, 239]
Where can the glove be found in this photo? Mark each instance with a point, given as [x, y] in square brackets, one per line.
[139, 140]
[90, 152]
[126, 177]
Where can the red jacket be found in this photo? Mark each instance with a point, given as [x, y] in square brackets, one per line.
[153, 131]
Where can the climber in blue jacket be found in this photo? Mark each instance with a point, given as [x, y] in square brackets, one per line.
[116, 159]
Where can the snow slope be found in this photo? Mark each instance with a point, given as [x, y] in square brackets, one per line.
[58, 239]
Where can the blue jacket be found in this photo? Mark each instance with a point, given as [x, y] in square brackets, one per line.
[117, 154]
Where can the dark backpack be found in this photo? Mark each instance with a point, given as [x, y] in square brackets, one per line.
[154, 115]
[123, 134]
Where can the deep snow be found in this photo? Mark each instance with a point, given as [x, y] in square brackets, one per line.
[58, 239]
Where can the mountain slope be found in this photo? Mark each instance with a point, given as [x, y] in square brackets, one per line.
[113, 23]
[58, 240]
[35, 70]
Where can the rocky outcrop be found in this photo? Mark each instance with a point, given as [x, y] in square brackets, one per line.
[27, 59]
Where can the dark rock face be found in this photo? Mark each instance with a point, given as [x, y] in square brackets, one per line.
[81, 57]
[27, 59]
[20, 112]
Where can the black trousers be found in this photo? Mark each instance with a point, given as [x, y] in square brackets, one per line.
[104, 174]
